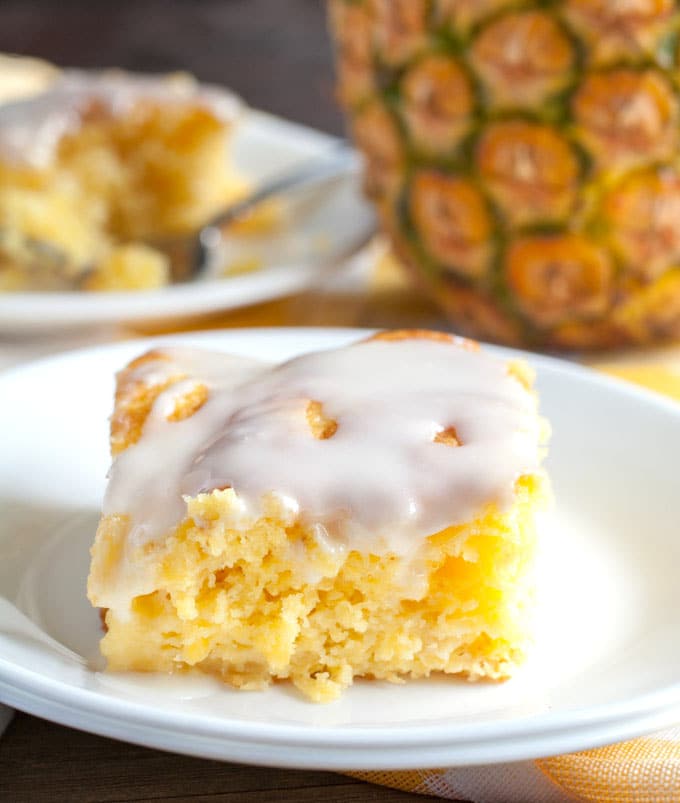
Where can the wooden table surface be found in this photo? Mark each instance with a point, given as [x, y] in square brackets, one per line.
[275, 53]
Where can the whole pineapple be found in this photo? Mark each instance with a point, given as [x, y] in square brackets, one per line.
[525, 158]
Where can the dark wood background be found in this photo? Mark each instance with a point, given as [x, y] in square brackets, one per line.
[276, 54]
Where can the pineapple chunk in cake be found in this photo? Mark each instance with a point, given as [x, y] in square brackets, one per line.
[366, 512]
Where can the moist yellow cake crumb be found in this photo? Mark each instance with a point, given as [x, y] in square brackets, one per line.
[276, 600]
[243, 606]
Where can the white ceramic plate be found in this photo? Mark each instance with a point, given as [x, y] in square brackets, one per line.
[606, 666]
[262, 147]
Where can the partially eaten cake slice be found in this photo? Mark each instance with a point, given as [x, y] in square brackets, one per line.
[96, 167]
[366, 511]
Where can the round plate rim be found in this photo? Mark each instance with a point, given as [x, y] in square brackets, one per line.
[520, 738]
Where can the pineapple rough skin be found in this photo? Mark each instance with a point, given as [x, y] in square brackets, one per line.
[524, 158]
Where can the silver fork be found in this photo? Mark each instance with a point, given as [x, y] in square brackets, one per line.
[321, 200]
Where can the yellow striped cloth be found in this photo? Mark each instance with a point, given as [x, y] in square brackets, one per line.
[644, 770]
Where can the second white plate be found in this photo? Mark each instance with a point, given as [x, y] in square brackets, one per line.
[606, 665]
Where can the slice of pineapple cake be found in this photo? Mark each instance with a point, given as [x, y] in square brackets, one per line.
[366, 512]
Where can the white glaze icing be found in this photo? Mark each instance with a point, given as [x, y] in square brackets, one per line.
[380, 483]
[31, 128]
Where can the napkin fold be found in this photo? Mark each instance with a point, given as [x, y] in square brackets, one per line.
[643, 770]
